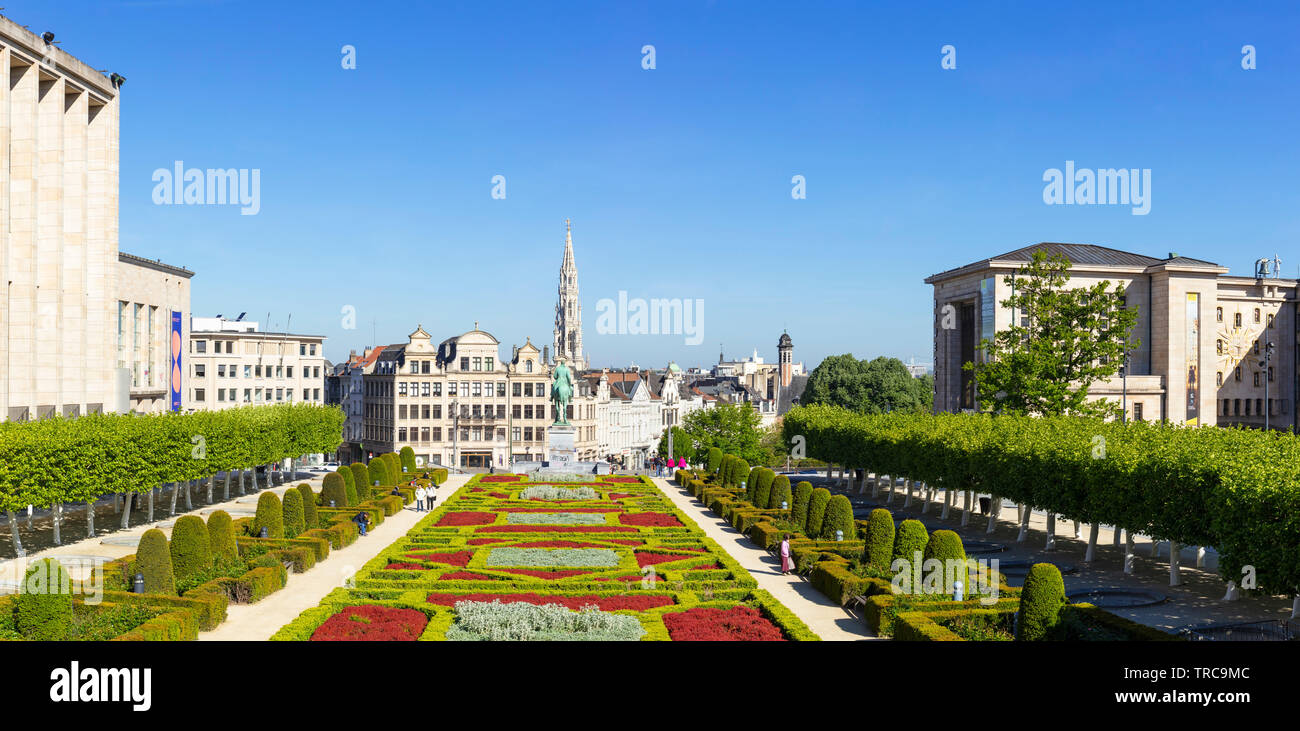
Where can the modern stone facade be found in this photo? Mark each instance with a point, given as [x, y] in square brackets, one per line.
[234, 363]
[151, 296]
[58, 232]
[1203, 334]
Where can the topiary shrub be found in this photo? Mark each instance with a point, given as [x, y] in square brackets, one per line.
[294, 522]
[739, 471]
[333, 491]
[310, 518]
[360, 478]
[751, 486]
[945, 545]
[154, 559]
[714, 460]
[407, 457]
[879, 551]
[393, 464]
[799, 508]
[270, 515]
[221, 536]
[1041, 601]
[763, 493]
[912, 537]
[780, 493]
[44, 611]
[838, 522]
[817, 511]
[349, 478]
[378, 473]
[191, 548]
[439, 476]
[352, 494]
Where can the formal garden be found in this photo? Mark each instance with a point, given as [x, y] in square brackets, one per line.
[909, 583]
[511, 557]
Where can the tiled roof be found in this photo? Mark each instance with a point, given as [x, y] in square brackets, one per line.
[1081, 254]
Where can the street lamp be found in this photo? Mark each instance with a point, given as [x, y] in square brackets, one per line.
[1263, 364]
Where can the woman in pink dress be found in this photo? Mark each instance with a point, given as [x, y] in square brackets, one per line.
[787, 561]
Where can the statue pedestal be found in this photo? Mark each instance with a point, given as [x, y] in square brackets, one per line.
[561, 452]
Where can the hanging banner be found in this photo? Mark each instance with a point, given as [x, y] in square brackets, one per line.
[1193, 357]
[177, 340]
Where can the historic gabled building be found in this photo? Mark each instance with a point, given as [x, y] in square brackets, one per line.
[1204, 335]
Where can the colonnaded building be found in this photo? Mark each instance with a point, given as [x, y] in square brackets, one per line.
[1203, 333]
[86, 328]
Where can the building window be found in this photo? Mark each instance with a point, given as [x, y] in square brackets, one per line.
[528, 389]
[424, 388]
[478, 364]
[1236, 319]
[478, 389]
[1259, 407]
[401, 388]
[1236, 374]
[1256, 378]
[199, 394]
[1270, 373]
[501, 411]
[200, 370]
[221, 370]
[1247, 407]
[514, 434]
[437, 411]
[436, 389]
[528, 411]
[200, 346]
[515, 389]
[1256, 315]
[1137, 411]
[248, 395]
[487, 364]
[437, 433]
[415, 367]
[401, 434]
[302, 348]
[464, 363]
[451, 388]
[401, 411]
[501, 389]
[1227, 406]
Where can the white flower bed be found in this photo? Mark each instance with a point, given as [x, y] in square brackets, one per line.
[555, 519]
[550, 492]
[539, 476]
[479, 621]
[553, 557]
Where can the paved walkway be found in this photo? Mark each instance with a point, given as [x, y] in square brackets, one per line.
[823, 616]
[261, 620]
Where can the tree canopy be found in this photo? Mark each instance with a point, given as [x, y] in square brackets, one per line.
[868, 387]
[733, 428]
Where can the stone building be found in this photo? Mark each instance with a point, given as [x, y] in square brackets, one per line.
[457, 402]
[86, 328]
[235, 363]
[1203, 334]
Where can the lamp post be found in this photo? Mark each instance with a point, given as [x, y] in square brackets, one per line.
[1263, 364]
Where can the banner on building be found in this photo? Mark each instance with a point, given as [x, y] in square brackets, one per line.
[1193, 357]
[177, 340]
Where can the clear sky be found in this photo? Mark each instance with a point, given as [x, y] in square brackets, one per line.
[376, 182]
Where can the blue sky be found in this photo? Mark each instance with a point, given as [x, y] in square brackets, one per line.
[376, 182]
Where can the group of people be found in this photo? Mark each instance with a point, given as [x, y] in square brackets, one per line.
[658, 465]
[424, 497]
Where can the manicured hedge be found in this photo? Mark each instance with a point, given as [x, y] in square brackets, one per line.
[294, 520]
[221, 535]
[879, 553]
[333, 492]
[817, 512]
[191, 547]
[44, 602]
[309, 518]
[154, 560]
[799, 508]
[270, 515]
[838, 522]
[1152, 478]
[1041, 601]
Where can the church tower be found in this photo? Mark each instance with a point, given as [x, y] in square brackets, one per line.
[785, 358]
[568, 309]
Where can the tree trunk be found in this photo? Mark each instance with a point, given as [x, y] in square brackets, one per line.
[90, 518]
[1076, 529]
[995, 509]
[947, 503]
[1025, 513]
[1129, 552]
[152, 490]
[907, 492]
[927, 497]
[189, 501]
[965, 509]
[1116, 537]
[875, 484]
[241, 483]
[13, 530]
[212, 486]
[889, 499]
[126, 509]
[1175, 563]
[225, 494]
[1050, 544]
[57, 514]
[1200, 557]
[176, 492]
[1091, 553]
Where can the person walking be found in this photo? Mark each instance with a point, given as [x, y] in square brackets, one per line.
[419, 499]
[787, 561]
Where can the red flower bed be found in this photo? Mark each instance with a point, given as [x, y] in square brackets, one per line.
[483, 541]
[543, 574]
[467, 576]
[566, 510]
[459, 558]
[735, 624]
[406, 567]
[372, 623]
[649, 559]
[706, 566]
[649, 519]
[605, 603]
[555, 529]
[620, 495]
[501, 495]
[624, 480]
[468, 518]
[500, 478]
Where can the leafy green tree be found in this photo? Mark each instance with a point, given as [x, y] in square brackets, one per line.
[732, 428]
[191, 547]
[868, 387]
[1070, 339]
[682, 445]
